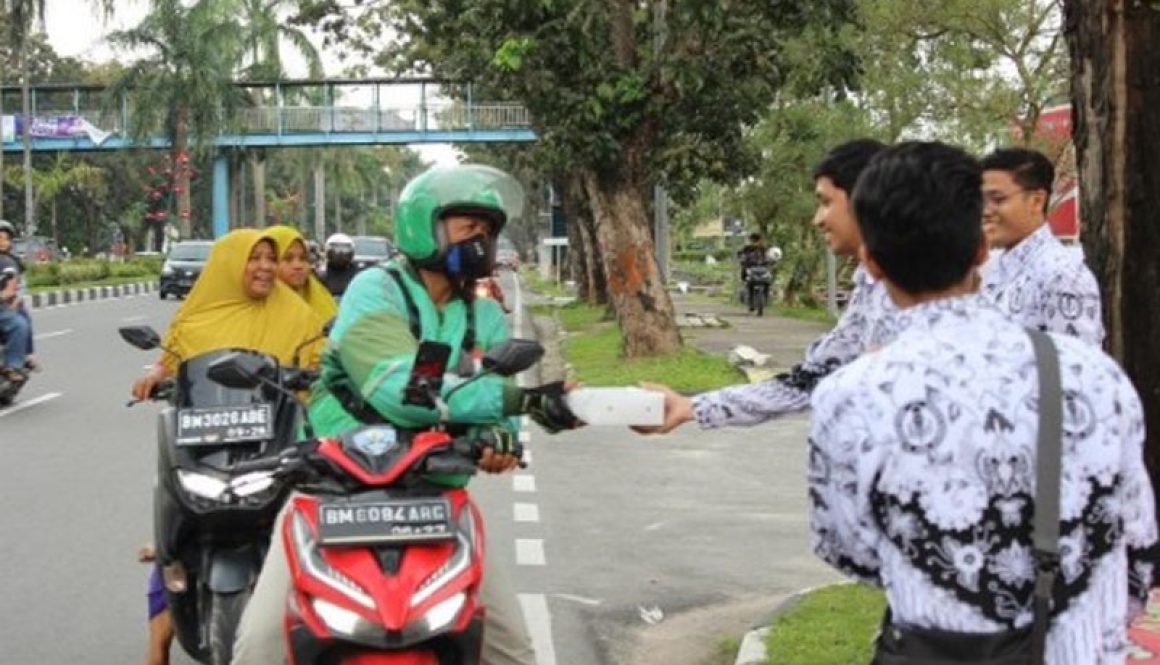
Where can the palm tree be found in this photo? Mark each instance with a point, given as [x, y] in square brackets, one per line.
[185, 86]
[265, 34]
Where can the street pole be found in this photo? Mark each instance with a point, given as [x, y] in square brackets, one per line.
[25, 93]
[660, 196]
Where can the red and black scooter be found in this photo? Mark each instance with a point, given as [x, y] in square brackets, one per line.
[386, 565]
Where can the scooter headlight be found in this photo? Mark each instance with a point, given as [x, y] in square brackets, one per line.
[311, 559]
[344, 621]
[441, 616]
[202, 485]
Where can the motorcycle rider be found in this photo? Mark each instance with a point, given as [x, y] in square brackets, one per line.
[11, 265]
[237, 302]
[340, 267]
[295, 271]
[446, 227]
[752, 254]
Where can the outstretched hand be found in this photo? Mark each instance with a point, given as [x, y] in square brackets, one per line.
[678, 410]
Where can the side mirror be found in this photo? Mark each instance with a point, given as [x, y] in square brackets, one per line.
[237, 370]
[142, 337]
[513, 357]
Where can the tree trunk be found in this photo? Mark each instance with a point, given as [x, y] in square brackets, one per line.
[55, 229]
[319, 203]
[180, 166]
[1115, 96]
[258, 178]
[643, 308]
[25, 103]
[235, 166]
[584, 253]
[337, 210]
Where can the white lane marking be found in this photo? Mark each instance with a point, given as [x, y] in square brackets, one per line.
[524, 483]
[539, 622]
[55, 333]
[530, 552]
[526, 512]
[525, 436]
[131, 319]
[654, 526]
[527, 458]
[29, 404]
[578, 599]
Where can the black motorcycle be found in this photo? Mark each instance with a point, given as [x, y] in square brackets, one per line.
[10, 389]
[212, 526]
[758, 280]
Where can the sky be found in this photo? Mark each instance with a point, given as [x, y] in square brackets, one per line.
[76, 29]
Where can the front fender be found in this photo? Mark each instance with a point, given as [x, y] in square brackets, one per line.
[233, 570]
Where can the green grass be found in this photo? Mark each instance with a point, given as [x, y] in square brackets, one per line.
[595, 355]
[804, 313]
[726, 651]
[545, 287]
[833, 625]
[111, 281]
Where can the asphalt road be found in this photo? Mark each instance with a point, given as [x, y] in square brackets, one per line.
[606, 536]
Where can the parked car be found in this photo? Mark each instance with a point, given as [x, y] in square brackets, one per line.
[506, 254]
[371, 250]
[182, 267]
[36, 249]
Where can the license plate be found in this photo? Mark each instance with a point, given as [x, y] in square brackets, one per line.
[225, 424]
[389, 521]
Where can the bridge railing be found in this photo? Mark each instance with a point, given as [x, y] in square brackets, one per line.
[289, 108]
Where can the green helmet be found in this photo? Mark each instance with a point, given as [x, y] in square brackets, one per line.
[471, 189]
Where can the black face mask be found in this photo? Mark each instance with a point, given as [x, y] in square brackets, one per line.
[469, 260]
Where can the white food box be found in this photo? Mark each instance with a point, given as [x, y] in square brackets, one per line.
[617, 406]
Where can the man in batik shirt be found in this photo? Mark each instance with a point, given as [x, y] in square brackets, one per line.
[1032, 276]
[866, 322]
[923, 454]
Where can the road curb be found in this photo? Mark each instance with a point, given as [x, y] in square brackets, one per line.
[753, 650]
[63, 297]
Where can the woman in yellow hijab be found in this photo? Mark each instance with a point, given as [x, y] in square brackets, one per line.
[238, 302]
[295, 271]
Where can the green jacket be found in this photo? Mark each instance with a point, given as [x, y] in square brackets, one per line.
[371, 349]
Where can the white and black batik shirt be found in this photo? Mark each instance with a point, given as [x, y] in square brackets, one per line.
[1042, 284]
[868, 321]
[922, 473]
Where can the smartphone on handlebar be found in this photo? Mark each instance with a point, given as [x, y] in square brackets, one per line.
[426, 380]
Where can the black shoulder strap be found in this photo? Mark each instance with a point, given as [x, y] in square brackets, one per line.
[415, 322]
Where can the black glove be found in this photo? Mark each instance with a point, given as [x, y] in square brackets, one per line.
[546, 405]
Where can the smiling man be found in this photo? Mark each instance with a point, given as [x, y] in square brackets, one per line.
[1033, 277]
[868, 321]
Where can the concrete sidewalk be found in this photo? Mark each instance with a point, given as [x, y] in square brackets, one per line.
[783, 339]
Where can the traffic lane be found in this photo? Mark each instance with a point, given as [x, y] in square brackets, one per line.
[78, 486]
[642, 528]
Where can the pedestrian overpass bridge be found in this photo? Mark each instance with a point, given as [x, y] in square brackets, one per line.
[281, 114]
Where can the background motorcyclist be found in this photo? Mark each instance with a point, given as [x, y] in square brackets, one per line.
[446, 226]
[340, 267]
[13, 269]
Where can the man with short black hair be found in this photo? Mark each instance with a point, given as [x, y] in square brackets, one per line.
[867, 321]
[1033, 277]
[923, 454]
